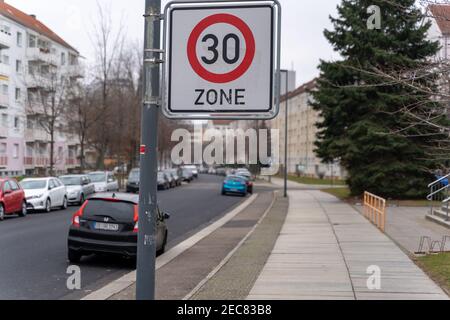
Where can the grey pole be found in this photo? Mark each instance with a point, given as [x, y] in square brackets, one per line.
[286, 134]
[146, 251]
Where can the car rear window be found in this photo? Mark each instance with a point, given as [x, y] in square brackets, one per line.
[118, 210]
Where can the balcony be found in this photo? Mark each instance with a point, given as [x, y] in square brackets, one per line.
[72, 163]
[5, 71]
[5, 40]
[3, 132]
[4, 101]
[75, 71]
[3, 161]
[37, 81]
[42, 55]
[36, 135]
[36, 162]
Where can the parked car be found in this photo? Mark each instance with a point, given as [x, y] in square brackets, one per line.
[173, 182]
[79, 188]
[187, 175]
[45, 194]
[104, 181]
[12, 199]
[176, 173]
[235, 185]
[194, 170]
[212, 170]
[163, 181]
[221, 172]
[134, 181]
[248, 181]
[108, 223]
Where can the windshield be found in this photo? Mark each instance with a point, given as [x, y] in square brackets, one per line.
[97, 177]
[134, 175]
[71, 181]
[235, 179]
[34, 185]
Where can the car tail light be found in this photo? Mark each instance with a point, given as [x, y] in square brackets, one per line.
[136, 218]
[76, 217]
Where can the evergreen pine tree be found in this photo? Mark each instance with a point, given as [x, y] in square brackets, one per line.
[360, 112]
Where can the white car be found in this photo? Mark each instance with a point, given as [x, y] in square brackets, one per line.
[79, 188]
[44, 194]
[104, 181]
[193, 169]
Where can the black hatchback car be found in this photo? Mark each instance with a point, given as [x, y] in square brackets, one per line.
[108, 223]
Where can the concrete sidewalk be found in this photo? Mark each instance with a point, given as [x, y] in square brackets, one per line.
[324, 251]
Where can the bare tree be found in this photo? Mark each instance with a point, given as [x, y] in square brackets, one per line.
[48, 91]
[108, 45]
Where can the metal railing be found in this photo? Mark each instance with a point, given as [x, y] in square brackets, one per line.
[375, 210]
[439, 192]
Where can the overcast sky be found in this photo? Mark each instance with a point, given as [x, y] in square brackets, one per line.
[303, 43]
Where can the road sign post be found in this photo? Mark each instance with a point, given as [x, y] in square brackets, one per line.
[146, 254]
[222, 60]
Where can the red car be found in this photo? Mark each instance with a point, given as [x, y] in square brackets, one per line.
[12, 199]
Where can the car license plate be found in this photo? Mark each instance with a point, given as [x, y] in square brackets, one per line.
[106, 226]
[234, 190]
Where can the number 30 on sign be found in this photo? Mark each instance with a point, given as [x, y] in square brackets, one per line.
[222, 60]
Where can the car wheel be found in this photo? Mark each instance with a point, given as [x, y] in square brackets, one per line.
[2, 212]
[223, 192]
[48, 206]
[74, 256]
[65, 204]
[81, 199]
[24, 210]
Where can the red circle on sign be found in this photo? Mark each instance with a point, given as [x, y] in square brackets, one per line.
[239, 70]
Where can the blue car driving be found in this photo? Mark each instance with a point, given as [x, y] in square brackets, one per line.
[235, 185]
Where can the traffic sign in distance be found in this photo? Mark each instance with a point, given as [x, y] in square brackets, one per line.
[222, 60]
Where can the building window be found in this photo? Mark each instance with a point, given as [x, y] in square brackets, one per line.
[63, 58]
[16, 151]
[5, 59]
[19, 39]
[32, 41]
[5, 89]
[4, 119]
[18, 66]
[2, 148]
[16, 123]
[18, 94]
[73, 59]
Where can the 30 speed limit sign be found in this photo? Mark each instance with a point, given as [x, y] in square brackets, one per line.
[222, 60]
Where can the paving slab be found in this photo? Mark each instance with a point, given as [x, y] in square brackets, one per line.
[324, 251]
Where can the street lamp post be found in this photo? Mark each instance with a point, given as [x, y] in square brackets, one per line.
[286, 119]
[146, 251]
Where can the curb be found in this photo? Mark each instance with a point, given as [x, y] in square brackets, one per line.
[129, 279]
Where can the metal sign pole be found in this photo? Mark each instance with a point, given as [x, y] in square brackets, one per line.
[146, 251]
[286, 131]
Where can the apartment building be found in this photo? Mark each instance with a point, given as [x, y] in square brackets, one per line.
[302, 135]
[440, 28]
[29, 52]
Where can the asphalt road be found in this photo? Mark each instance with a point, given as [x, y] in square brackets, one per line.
[33, 251]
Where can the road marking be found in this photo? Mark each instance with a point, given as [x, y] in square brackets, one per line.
[129, 279]
[232, 252]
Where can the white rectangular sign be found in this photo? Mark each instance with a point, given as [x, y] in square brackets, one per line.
[222, 60]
